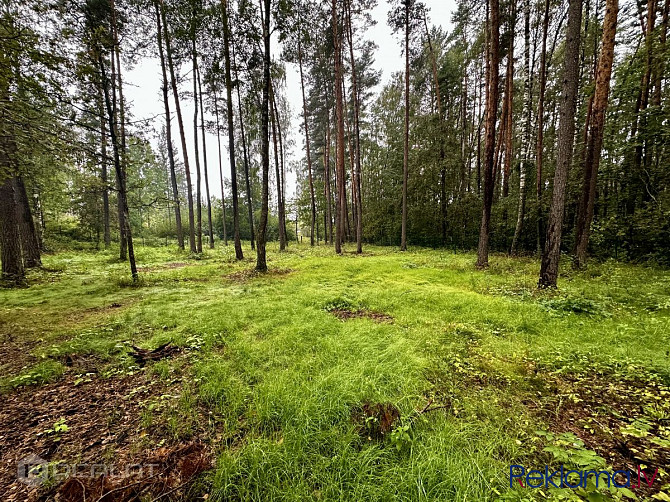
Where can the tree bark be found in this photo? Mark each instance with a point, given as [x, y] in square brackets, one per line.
[118, 84]
[341, 208]
[196, 149]
[210, 227]
[539, 149]
[182, 133]
[312, 199]
[231, 131]
[405, 163]
[508, 108]
[328, 224]
[490, 144]
[10, 239]
[29, 242]
[280, 201]
[261, 263]
[168, 133]
[223, 191]
[595, 139]
[356, 180]
[103, 170]
[245, 153]
[565, 141]
[120, 173]
[525, 156]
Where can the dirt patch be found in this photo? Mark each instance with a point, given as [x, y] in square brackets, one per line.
[347, 314]
[242, 276]
[15, 356]
[165, 472]
[375, 421]
[90, 421]
[625, 421]
[142, 356]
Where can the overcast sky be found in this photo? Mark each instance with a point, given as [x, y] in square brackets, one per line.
[143, 91]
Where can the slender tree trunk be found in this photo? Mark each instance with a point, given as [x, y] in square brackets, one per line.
[341, 208]
[196, 149]
[281, 222]
[442, 135]
[116, 54]
[182, 133]
[565, 142]
[210, 227]
[405, 163]
[356, 180]
[120, 173]
[247, 178]
[539, 150]
[490, 145]
[29, 242]
[595, 140]
[223, 191]
[261, 264]
[123, 246]
[168, 133]
[307, 145]
[231, 132]
[328, 229]
[525, 156]
[103, 170]
[508, 108]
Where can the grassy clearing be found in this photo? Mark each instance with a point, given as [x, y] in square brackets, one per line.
[272, 372]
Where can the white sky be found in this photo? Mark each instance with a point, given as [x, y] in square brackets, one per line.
[143, 92]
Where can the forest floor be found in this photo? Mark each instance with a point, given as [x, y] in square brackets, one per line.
[408, 376]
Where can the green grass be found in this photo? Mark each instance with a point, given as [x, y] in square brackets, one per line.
[278, 375]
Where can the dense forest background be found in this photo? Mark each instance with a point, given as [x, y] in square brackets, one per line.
[474, 123]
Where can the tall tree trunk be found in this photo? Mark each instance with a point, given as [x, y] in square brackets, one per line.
[442, 135]
[565, 141]
[182, 133]
[508, 108]
[490, 145]
[118, 86]
[223, 191]
[328, 229]
[595, 139]
[196, 149]
[280, 203]
[231, 132]
[525, 156]
[103, 170]
[357, 136]
[120, 173]
[405, 162]
[312, 199]
[247, 178]
[539, 149]
[29, 242]
[168, 133]
[10, 239]
[341, 208]
[261, 264]
[123, 246]
[210, 227]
